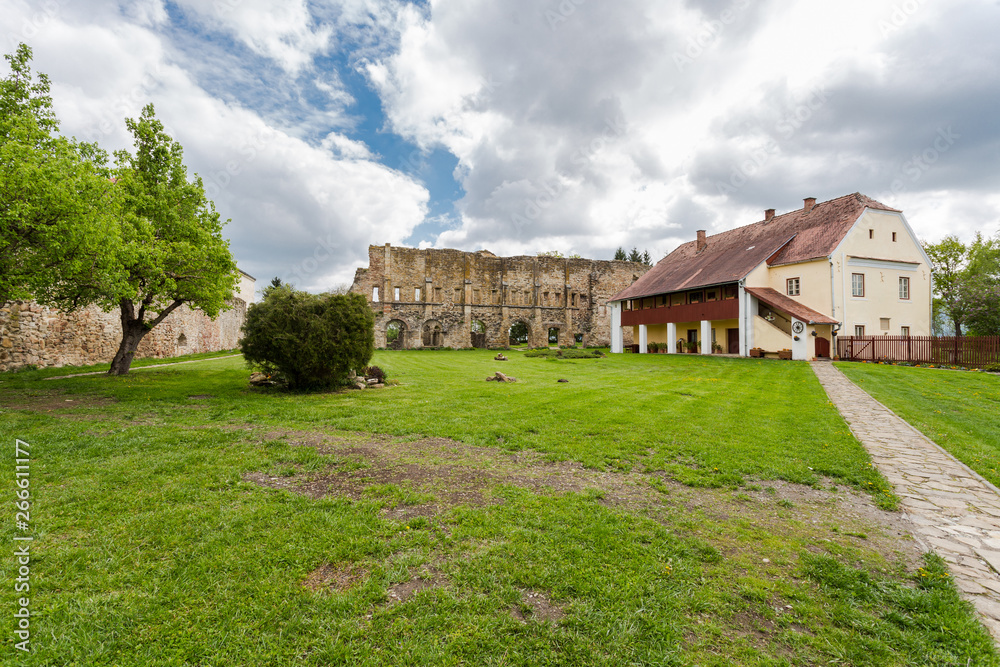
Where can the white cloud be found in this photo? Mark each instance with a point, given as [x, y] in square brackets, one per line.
[304, 212]
[693, 93]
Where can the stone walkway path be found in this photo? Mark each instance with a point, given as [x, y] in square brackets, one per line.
[954, 510]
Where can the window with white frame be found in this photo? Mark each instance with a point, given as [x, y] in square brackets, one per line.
[904, 331]
[792, 287]
[857, 284]
[859, 330]
[904, 287]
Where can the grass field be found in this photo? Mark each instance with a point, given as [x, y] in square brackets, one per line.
[958, 410]
[654, 510]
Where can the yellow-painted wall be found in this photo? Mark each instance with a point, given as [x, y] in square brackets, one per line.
[655, 333]
[769, 337]
[881, 298]
[814, 282]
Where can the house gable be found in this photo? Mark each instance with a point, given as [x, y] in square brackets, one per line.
[806, 234]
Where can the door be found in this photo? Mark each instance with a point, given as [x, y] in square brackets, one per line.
[822, 347]
[734, 341]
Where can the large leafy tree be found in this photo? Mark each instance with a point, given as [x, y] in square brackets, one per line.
[967, 284]
[55, 231]
[171, 250]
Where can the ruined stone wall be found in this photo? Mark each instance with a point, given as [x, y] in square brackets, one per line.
[33, 334]
[438, 295]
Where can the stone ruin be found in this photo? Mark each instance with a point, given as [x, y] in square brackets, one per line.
[451, 298]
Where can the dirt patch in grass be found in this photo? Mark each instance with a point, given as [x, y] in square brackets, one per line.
[428, 577]
[427, 477]
[334, 577]
[53, 400]
[537, 606]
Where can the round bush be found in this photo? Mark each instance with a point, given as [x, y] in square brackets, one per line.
[309, 340]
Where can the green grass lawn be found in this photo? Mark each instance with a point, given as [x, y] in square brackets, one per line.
[649, 511]
[958, 410]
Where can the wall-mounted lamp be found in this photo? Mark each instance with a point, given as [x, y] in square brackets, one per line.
[814, 333]
[796, 338]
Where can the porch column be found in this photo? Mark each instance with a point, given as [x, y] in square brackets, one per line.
[642, 339]
[706, 337]
[617, 343]
[671, 338]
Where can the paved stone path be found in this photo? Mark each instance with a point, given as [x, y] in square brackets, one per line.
[954, 510]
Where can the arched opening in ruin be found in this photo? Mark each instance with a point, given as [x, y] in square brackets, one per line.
[395, 335]
[519, 333]
[478, 334]
[553, 336]
[433, 334]
[182, 341]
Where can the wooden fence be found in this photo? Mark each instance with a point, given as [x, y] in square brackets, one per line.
[948, 350]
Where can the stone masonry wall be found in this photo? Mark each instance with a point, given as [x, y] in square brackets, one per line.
[437, 295]
[37, 335]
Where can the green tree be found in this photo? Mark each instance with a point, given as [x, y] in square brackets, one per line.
[56, 237]
[982, 290]
[620, 254]
[967, 284]
[172, 251]
[309, 340]
[634, 256]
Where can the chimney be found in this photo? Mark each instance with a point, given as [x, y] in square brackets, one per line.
[810, 202]
[768, 214]
[702, 243]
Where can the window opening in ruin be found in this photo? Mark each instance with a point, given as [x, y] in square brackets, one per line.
[545, 299]
[437, 294]
[433, 334]
[553, 336]
[478, 334]
[458, 295]
[416, 294]
[375, 294]
[182, 341]
[518, 333]
[395, 335]
[496, 299]
[475, 296]
[572, 300]
[395, 294]
[578, 337]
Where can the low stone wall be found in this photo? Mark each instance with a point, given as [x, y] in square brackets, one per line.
[41, 336]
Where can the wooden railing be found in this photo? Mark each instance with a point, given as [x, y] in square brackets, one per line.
[947, 350]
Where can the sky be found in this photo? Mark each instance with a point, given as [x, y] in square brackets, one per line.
[526, 126]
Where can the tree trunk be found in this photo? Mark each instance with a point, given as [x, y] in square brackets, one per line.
[134, 328]
[958, 328]
[132, 334]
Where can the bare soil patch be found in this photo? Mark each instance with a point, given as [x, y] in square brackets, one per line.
[426, 578]
[537, 606]
[334, 577]
[54, 400]
[431, 475]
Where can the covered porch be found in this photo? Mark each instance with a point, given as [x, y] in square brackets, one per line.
[700, 321]
[780, 324]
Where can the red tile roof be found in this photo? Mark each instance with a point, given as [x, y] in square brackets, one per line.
[779, 301]
[729, 256]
